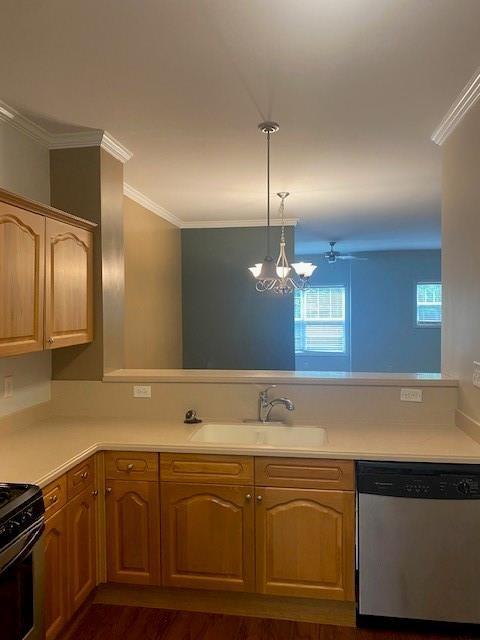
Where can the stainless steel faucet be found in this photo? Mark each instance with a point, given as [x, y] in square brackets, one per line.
[265, 405]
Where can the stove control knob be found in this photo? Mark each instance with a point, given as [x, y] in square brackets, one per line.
[463, 487]
[13, 525]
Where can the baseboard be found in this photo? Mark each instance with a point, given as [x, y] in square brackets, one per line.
[231, 603]
[467, 424]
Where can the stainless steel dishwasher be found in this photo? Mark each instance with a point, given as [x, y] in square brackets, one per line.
[419, 541]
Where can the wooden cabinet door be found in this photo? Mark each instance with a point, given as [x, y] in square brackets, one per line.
[81, 548]
[22, 255]
[305, 543]
[208, 536]
[68, 285]
[55, 574]
[133, 531]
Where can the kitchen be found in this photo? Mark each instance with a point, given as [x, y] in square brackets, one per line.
[267, 499]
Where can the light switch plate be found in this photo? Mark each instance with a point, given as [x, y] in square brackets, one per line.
[142, 391]
[411, 395]
[476, 374]
[8, 387]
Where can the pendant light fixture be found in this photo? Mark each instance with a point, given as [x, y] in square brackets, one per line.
[278, 276]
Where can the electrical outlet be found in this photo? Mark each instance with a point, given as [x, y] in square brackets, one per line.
[142, 391]
[8, 387]
[476, 374]
[411, 395]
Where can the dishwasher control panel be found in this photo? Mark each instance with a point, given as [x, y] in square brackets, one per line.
[420, 480]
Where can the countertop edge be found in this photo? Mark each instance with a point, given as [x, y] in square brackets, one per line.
[211, 376]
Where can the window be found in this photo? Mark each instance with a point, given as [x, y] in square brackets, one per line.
[320, 320]
[429, 304]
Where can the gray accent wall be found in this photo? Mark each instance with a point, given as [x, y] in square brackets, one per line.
[226, 323]
[381, 293]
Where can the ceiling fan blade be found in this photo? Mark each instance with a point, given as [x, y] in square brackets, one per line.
[351, 258]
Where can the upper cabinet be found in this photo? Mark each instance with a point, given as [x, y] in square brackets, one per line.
[22, 259]
[68, 285]
[46, 277]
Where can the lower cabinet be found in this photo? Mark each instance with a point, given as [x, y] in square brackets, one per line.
[81, 548]
[70, 547]
[305, 543]
[133, 532]
[208, 536]
[287, 528]
[55, 574]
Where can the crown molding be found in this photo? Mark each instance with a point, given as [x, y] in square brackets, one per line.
[152, 206]
[90, 138]
[460, 107]
[19, 122]
[115, 148]
[76, 139]
[102, 139]
[219, 224]
[95, 138]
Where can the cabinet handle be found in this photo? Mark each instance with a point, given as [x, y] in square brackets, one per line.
[259, 498]
[130, 466]
[50, 340]
[84, 475]
[108, 490]
[53, 499]
[95, 493]
[248, 496]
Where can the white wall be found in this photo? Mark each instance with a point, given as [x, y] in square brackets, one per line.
[461, 258]
[24, 169]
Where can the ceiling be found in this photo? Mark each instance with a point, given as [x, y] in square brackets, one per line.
[357, 86]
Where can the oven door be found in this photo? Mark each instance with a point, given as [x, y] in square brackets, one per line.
[21, 588]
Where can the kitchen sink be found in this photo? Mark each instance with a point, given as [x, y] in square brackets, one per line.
[258, 435]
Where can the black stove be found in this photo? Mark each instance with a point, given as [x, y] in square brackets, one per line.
[21, 507]
[21, 527]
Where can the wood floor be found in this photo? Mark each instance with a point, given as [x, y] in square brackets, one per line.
[108, 622]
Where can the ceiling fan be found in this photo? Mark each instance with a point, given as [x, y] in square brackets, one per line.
[332, 255]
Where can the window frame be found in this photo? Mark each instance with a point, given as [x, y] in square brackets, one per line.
[426, 325]
[346, 324]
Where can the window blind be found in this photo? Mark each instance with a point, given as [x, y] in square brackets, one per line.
[429, 303]
[320, 320]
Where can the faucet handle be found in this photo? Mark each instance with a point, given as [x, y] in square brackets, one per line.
[270, 386]
[263, 394]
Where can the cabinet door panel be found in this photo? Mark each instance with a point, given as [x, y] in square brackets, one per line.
[22, 255]
[133, 532]
[82, 551]
[305, 543]
[55, 574]
[69, 285]
[207, 534]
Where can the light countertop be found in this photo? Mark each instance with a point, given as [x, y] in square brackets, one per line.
[42, 451]
[336, 378]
